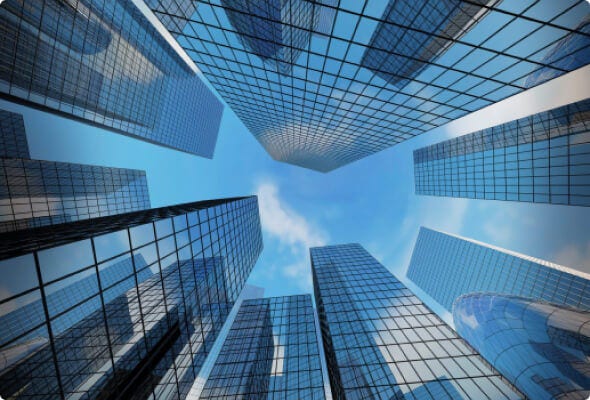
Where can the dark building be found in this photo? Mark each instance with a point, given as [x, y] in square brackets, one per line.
[36, 193]
[417, 33]
[543, 348]
[271, 352]
[447, 266]
[542, 158]
[102, 62]
[381, 341]
[125, 306]
[321, 84]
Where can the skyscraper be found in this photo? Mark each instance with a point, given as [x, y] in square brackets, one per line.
[543, 348]
[447, 266]
[102, 62]
[542, 158]
[125, 306]
[321, 84]
[37, 193]
[381, 341]
[271, 352]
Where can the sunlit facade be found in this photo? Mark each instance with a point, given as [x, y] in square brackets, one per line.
[382, 342]
[127, 305]
[271, 352]
[447, 266]
[542, 158]
[543, 348]
[36, 193]
[323, 83]
[102, 62]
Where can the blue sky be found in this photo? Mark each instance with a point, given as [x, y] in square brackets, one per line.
[370, 201]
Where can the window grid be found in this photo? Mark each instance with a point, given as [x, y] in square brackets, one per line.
[381, 341]
[271, 352]
[447, 266]
[543, 158]
[102, 62]
[148, 288]
[309, 69]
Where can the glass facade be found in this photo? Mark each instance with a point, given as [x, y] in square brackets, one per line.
[323, 83]
[122, 307]
[36, 193]
[271, 352]
[542, 158]
[382, 342]
[447, 266]
[102, 62]
[543, 348]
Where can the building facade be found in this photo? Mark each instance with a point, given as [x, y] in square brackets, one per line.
[122, 307]
[102, 62]
[542, 158]
[36, 193]
[447, 266]
[381, 341]
[271, 352]
[543, 348]
[320, 84]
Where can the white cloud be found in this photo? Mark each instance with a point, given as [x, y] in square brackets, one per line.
[279, 220]
[576, 257]
[282, 223]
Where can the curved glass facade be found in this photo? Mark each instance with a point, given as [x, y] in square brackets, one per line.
[543, 348]
[382, 342]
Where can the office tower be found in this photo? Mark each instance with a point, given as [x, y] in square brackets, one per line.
[541, 158]
[102, 62]
[271, 352]
[319, 100]
[36, 193]
[381, 341]
[447, 266]
[125, 306]
[543, 348]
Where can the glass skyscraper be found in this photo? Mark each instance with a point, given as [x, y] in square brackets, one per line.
[382, 342]
[542, 158]
[125, 306]
[543, 348]
[447, 266]
[37, 193]
[271, 352]
[102, 62]
[321, 83]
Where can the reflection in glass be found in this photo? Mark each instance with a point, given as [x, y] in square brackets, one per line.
[381, 341]
[137, 325]
[543, 348]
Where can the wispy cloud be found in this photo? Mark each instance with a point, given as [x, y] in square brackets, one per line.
[293, 232]
[577, 257]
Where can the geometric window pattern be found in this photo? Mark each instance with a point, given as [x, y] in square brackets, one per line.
[541, 347]
[382, 342]
[321, 84]
[543, 158]
[270, 352]
[126, 306]
[446, 266]
[103, 62]
[35, 193]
